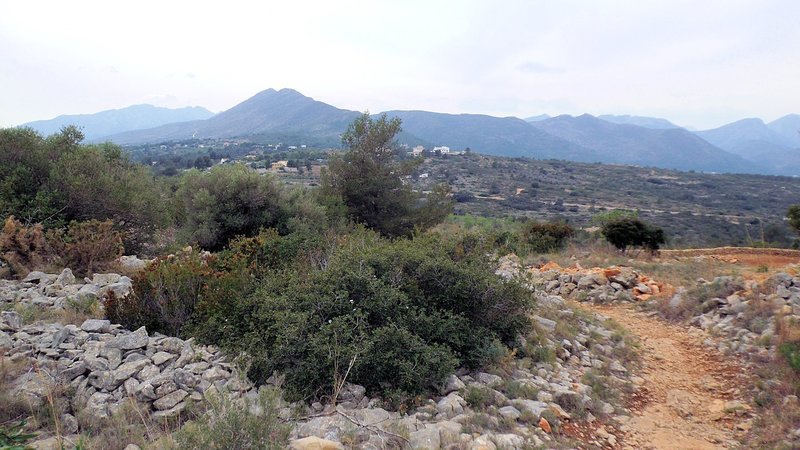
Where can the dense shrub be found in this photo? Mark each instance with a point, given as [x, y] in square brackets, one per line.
[24, 248]
[232, 200]
[83, 246]
[56, 180]
[546, 237]
[403, 314]
[631, 232]
[87, 246]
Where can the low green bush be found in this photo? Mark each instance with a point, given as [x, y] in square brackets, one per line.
[544, 237]
[389, 315]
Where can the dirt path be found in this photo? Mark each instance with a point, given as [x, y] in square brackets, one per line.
[686, 398]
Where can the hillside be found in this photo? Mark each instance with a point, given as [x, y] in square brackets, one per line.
[105, 123]
[647, 122]
[630, 144]
[507, 136]
[695, 209]
[270, 111]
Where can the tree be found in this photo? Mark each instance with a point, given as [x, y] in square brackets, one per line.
[793, 214]
[368, 178]
[632, 232]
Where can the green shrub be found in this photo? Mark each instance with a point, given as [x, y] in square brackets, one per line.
[631, 232]
[87, 246]
[479, 397]
[228, 201]
[237, 424]
[791, 353]
[166, 293]
[14, 437]
[546, 237]
[400, 315]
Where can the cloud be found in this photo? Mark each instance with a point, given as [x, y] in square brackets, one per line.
[537, 67]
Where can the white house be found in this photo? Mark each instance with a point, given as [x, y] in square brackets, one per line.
[442, 149]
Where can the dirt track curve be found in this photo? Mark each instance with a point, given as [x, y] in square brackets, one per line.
[688, 387]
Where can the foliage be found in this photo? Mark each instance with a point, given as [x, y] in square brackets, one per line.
[83, 246]
[228, 201]
[543, 237]
[237, 425]
[793, 215]
[394, 316]
[604, 217]
[14, 437]
[24, 248]
[87, 246]
[56, 180]
[369, 181]
[629, 232]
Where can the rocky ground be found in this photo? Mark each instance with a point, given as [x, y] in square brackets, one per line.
[586, 383]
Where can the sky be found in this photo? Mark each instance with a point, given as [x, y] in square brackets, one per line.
[698, 63]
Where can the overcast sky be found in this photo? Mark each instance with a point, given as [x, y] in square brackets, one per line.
[697, 63]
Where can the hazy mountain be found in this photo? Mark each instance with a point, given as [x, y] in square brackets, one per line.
[772, 145]
[114, 121]
[508, 136]
[646, 122]
[734, 134]
[788, 127]
[287, 112]
[537, 118]
[673, 148]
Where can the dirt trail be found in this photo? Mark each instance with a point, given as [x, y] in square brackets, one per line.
[687, 389]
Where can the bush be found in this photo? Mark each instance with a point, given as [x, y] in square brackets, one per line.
[83, 246]
[546, 237]
[237, 425]
[24, 248]
[228, 201]
[388, 315]
[631, 232]
[87, 246]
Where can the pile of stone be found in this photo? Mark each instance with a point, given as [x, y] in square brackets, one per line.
[101, 365]
[602, 285]
[746, 316]
[56, 290]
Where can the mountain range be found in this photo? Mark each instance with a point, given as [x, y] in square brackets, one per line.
[748, 146]
[99, 125]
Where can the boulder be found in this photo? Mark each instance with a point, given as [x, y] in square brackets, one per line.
[66, 277]
[451, 405]
[130, 341]
[96, 326]
[315, 443]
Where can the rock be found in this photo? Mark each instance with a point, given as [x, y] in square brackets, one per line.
[132, 262]
[11, 319]
[509, 441]
[69, 424]
[160, 358]
[547, 324]
[132, 447]
[34, 276]
[532, 406]
[482, 442]
[350, 392]
[315, 443]
[451, 405]
[452, 384]
[616, 366]
[426, 438]
[680, 401]
[97, 406]
[509, 412]
[170, 400]
[134, 340]
[66, 277]
[545, 425]
[488, 379]
[105, 278]
[96, 326]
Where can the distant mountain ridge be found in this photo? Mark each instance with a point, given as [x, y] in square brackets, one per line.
[672, 148]
[98, 125]
[776, 144]
[653, 142]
